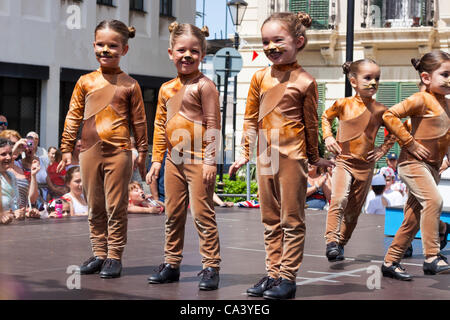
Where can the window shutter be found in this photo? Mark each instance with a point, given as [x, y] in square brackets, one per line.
[298, 5]
[407, 89]
[319, 11]
[388, 93]
[321, 105]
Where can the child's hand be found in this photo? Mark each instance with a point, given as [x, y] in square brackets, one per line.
[65, 161]
[6, 218]
[324, 163]
[236, 165]
[332, 145]
[19, 214]
[153, 174]
[33, 213]
[418, 150]
[375, 154]
[209, 174]
[140, 163]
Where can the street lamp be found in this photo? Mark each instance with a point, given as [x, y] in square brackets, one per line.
[237, 10]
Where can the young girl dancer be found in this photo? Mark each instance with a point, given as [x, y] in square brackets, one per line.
[360, 117]
[187, 124]
[423, 150]
[106, 101]
[282, 110]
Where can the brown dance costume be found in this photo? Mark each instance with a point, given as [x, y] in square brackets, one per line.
[188, 124]
[105, 101]
[281, 112]
[352, 176]
[430, 126]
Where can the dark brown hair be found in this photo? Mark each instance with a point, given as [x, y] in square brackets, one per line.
[296, 23]
[351, 68]
[119, 27]
[430, 61]
[70, 173]
[176, 30]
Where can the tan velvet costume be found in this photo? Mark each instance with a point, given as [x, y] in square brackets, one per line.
[281, 113]
[106, 101]
[352, 176]
[430, 126]
[187, 123]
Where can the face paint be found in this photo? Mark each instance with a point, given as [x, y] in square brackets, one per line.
[446, 83]
[105, 53]
[273, 48]
[371, 85]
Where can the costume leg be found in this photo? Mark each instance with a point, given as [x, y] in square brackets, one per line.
[91, 163]
[117, 175]
[293, 183]
[202, 209]
[269, 197]
[176, 202]
[405, 234]
[421, 181]
[356, 198]
[341, 182]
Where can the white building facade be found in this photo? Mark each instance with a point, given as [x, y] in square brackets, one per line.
[47, 46]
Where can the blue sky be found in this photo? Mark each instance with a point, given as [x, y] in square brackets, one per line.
[215, 18]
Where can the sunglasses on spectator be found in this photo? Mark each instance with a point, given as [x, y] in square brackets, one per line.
[3, 123]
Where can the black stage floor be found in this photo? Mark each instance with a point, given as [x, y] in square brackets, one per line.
[36, 255]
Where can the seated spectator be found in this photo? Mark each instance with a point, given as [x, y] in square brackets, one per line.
[25, 165]
[3, 123]
[19, 144]
[55, 181]
[138, 202]
[66, 212]
[10, 208]
[318, 192]
[376, 203]
[392, 192]
[75, 196]
[221, 203]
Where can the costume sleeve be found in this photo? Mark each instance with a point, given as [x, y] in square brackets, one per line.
[250, 131]
[311, 122]
[411, 106]
[159, 135]
[138, 119]
[74, 118]
[328, 117]
[211, 117]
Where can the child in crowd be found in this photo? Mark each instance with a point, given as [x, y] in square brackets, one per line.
[75, 196]
[422, 153]
[188, 105]
[281, 112]
[108, 102]
[360, 117]
[376, 203]
[55, 179]
[138, 202]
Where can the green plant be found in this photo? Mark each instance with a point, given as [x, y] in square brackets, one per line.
[238, 186]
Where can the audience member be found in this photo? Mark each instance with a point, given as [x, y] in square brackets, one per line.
[138, 202]
[40, 152]
[318, 193]
[376, 203]
[75, 196]
[18, 143]
[392, 191]
[65, 209]
[391, 162]
[221, 203]
[55, 180]
[3, 123]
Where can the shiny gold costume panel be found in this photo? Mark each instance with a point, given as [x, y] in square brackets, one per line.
[352, 176]
[187, 123]
[281, 111]
[106, 101]
[430, 126]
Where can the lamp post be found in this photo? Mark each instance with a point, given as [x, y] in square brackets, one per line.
[237, 11]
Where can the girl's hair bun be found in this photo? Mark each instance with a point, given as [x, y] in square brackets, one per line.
[304, 18]
[174, 25]
[205, 31]
[346, 67]
[131, 32]
[415, 62]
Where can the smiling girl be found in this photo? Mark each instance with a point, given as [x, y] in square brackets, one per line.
[281, 112]
[423, 150]
[360, 117]
[107, 101]
[187, 123]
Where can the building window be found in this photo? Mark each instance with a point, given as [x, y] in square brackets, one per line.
[165, 8]
[105, 2]
[137, 5]
[401, 13]
[317, 9]
[20, 103]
